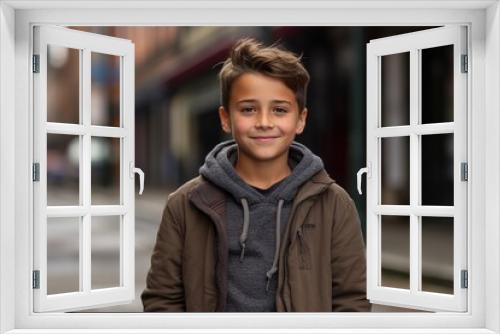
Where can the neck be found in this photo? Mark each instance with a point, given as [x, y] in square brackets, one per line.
[262, 174]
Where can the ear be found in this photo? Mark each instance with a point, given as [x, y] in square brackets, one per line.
[225, 121]
[301, 124]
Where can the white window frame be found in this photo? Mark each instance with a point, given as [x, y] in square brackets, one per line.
[16, 18]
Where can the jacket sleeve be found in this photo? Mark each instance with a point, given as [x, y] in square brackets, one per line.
[164, 286]
[348, 259]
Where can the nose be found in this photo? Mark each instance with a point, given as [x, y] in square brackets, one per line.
[264, 120]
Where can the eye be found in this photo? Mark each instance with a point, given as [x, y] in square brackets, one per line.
[247, 109]
[280, 110]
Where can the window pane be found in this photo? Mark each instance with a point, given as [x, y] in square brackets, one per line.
[105, 89]
[63, 84]
[105, 170]
[63, 159]
[63, 266]
[395, 171]
[437, 84]
[437, 254]
[395, 86]
[437, 169]
[395, 239]
[105, 252]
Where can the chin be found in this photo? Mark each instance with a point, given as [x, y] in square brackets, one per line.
[267, 156]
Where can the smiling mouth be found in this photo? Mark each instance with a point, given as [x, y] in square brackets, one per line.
[264, 139]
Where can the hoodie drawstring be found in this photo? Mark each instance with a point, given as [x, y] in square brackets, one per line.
[246, 222]
[244, 234]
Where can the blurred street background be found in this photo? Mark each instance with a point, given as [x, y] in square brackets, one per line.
[176, 125]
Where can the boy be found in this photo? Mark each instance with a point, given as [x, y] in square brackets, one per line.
[263, 228]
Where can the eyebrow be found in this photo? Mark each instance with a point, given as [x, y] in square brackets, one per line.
[256, 101]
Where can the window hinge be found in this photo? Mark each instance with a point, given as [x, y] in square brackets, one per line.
[464, 171]
[36, 171]
[36, 279]
[465, 279]
[36, 63]
[465, 65]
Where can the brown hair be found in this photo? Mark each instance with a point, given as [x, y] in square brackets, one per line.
[248, 55]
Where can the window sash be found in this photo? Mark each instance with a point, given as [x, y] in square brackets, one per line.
[86, 297]
[414, 297]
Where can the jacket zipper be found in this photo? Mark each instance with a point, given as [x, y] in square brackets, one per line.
[304, 250]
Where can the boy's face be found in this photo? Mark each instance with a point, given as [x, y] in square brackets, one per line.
[263, 117]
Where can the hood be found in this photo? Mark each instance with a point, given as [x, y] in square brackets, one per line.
[219, 169]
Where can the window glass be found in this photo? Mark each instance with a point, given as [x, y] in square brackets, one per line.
[63, 84]
[437, 254]
[437, 92]
[105, 173]
[395, 89]
[105, 251]
[437, 169]
[395, 171]
[395, 271]
[63, 240]
[63, 169]
[105, 75]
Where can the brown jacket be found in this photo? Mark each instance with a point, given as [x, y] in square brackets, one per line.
[321, 261]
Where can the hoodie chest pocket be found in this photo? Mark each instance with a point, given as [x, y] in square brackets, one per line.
[304, 239]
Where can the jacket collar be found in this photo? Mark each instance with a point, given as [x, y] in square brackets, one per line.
[316, 185]
[206, 195]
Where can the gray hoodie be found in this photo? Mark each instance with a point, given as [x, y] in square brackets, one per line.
[253, 218]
